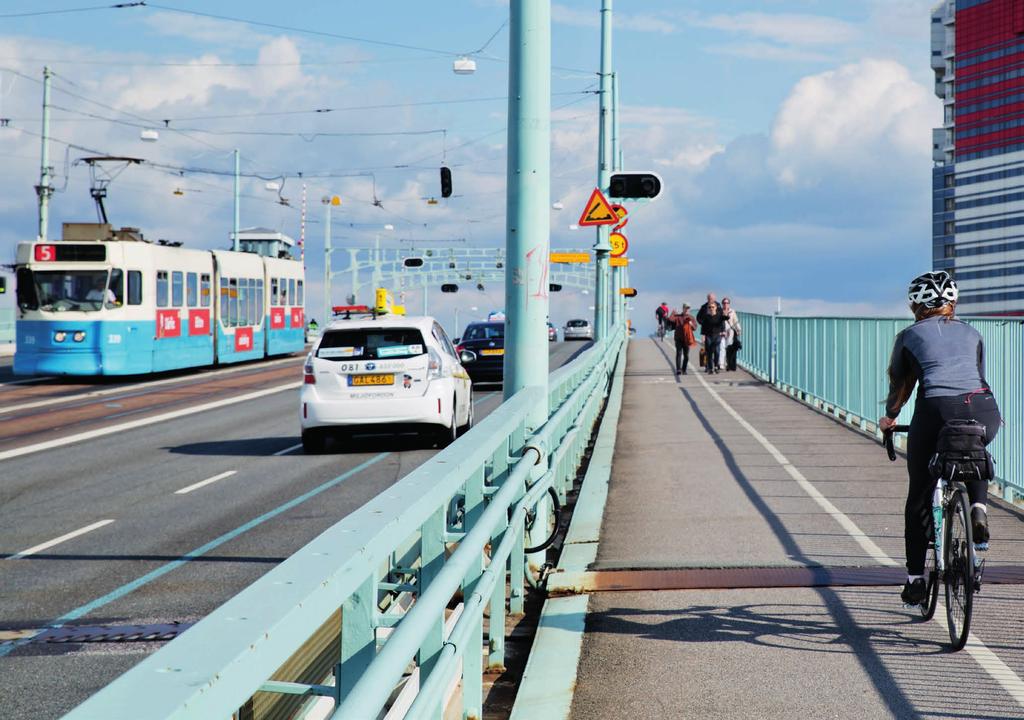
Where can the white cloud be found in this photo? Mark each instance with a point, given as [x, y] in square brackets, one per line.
[868, 113]
[767, 51]
[622, 21]
[783, 28]
[205, 30]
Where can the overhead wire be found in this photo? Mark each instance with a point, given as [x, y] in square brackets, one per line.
[65, 11]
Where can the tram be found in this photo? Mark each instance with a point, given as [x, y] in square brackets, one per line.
[108, 302]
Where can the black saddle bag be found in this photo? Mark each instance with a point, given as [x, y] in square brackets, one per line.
[960, 453]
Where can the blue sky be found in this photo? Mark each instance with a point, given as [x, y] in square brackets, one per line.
[793, 135]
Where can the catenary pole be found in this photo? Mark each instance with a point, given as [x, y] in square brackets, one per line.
[44, 190]
[616, 272]
[327, 262]
[602, 247]
[237, 199]
[528, 223]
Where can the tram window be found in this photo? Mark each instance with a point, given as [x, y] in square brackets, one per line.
[191, 290]
[298, 296]
[259, 301]
[224, 301]
[134, 287]
[26, 290]
[273, 291]
[291, 290]
[233, 307]
[161, 288]
[116, 286]
[177, 288]
[243, 302]
[284, 291]
[252, 302]
[204, 290]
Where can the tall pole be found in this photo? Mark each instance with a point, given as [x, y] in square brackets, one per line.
[602, 247]
[44, 190]
[327, 264]
[237, 214]
[616, 272]
[528, 222]
[424, 299]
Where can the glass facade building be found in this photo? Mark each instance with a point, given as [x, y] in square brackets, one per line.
[977, 53]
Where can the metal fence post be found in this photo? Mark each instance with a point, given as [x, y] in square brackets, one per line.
[431, 562]
[473, 655]
[358, 635]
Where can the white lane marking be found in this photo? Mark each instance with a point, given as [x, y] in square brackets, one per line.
[204, 483]
[142, 422]
[127, 389]
[58, 541]
[866, 543]
[287, 450]
[986, 659]
[27, 381]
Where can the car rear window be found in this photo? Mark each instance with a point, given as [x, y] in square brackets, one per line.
[371, 344]
[576, 323]
[485, 332]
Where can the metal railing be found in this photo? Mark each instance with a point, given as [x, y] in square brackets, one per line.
[6, 326]
[454, 524]
[839, 365]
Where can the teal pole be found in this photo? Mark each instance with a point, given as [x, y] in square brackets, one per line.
[616, 272]
[327, 264]
[45, 190]
[237, 214]
[602, 247]
[528, 229]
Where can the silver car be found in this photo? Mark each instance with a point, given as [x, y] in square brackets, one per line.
[578, 330]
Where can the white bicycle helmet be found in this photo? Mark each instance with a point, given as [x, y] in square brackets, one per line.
[933, 289]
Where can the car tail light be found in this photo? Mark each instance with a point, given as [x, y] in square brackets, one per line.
[307, 373]
[435, 365]
[459, 348]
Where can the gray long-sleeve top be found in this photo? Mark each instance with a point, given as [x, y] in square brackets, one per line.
[946, 357]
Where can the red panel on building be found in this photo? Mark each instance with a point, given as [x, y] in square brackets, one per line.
[168, 324]
[297, 317]
[986, 24]
[276, 318]
[243, 339]
[198, 322]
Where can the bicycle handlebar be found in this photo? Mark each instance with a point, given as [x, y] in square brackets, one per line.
[887, 439]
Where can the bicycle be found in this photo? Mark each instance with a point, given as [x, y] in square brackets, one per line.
[950, 558]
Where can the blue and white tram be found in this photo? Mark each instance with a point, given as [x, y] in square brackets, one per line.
[123, 306]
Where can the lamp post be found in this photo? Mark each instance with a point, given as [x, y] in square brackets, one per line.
[328, 201]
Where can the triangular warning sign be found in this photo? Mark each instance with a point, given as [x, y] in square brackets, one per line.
[598, 211]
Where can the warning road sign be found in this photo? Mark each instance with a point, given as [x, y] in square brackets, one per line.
[618, 262]
[619, 244]
[598, 211]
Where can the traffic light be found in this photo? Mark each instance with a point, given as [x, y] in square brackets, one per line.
[413, 262]
[449, 288]
[3, 285]
[634, 186]
[554, 287]
[446, 182]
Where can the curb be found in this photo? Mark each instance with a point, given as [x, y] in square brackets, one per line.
[549, 679]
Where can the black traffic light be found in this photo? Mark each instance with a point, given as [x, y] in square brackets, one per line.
[634, 186]
[3, 285]
[449, 288]
[413, 262]
[554, 287]
[446, 182]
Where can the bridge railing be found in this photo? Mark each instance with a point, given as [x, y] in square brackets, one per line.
[454, 525]
[839, 365]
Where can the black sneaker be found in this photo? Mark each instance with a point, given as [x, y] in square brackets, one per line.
[914, 593]
[979, 526]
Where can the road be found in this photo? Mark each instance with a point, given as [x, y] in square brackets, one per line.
[158, 545]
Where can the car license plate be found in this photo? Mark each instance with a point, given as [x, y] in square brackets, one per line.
[493, 351]
[358, 380]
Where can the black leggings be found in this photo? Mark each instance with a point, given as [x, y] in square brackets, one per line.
[682, 351]
[930, 414]
[711, 352]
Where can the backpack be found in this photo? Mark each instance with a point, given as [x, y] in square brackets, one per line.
[960, 453]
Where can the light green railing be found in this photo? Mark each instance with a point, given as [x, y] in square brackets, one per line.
[6, 326]
[454, 525]
[839, 365]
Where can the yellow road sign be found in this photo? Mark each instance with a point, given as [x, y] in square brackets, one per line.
[619, 244]
[618, 261]
[568, 257]
[628, 292]
[598, 211]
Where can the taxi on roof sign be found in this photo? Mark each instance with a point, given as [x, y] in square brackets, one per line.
[619, 244]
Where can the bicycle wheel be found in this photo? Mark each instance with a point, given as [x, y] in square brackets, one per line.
[931, 578]
[958, 552]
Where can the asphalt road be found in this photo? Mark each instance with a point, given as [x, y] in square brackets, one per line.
[166, 555]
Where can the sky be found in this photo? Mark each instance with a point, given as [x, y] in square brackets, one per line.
[793, 136]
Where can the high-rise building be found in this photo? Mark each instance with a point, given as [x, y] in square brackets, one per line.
[978, 176]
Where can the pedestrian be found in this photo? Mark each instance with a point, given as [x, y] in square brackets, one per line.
[684, 325]
[661, 315]
[732, 334]
[712, 326]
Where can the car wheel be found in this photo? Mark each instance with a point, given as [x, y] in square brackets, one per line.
[446, 436]
[469, 420]
[313, 441]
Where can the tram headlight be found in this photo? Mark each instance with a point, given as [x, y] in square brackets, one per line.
[78, 336]
[60, 336]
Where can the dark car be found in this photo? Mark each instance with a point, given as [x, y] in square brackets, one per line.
[486, 341]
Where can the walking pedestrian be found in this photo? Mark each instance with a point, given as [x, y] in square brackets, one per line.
[732, 334]
[684, 325]
[712, 326]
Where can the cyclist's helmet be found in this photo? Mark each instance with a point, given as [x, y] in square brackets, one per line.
[933, 289]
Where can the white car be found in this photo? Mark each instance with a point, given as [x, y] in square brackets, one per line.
[578, 330]
[388, 374]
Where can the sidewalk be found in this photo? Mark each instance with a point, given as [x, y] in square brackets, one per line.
[787, 528]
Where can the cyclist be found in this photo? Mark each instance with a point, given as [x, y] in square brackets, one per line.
[661, 314]
[946, 359]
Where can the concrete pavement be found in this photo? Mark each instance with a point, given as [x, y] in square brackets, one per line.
[723, 472]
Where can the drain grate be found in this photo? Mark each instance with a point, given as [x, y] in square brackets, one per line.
[155, 632]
